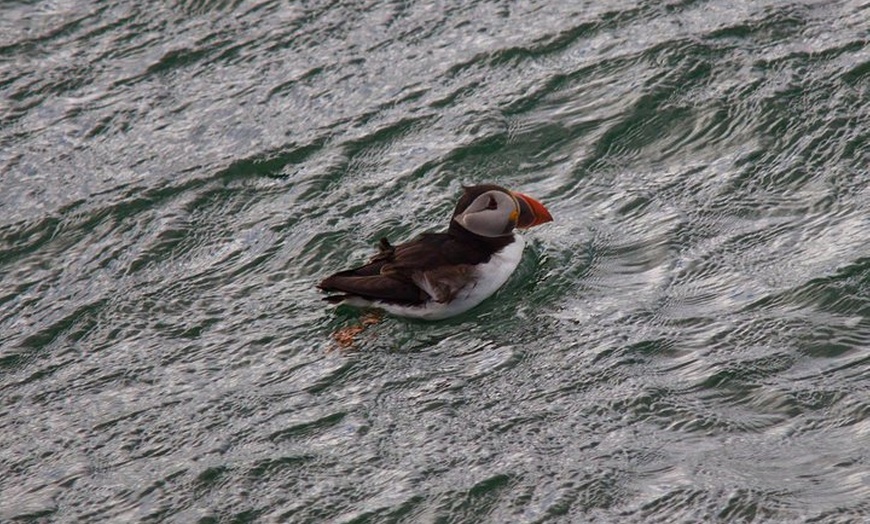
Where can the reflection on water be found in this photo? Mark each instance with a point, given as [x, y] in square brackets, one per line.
[687, 342]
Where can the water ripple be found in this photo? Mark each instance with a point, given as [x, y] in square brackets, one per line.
[687, 341]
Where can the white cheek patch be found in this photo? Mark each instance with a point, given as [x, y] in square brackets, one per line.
[487, 223]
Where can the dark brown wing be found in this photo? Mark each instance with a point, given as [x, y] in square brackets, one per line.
[432, 266]
[373, 287]
[443, 283]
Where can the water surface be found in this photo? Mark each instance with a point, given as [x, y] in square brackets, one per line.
[689, 341]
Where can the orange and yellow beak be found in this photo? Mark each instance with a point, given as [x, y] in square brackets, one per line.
[532, 212]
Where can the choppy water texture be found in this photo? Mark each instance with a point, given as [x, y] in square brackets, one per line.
[689, 341]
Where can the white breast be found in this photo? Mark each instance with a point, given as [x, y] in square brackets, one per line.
[488, 279]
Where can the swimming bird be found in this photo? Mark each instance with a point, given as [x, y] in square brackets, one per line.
[439, 275]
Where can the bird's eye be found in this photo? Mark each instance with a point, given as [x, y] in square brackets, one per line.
[492, 204]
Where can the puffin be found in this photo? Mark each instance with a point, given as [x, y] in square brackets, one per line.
[440, 275]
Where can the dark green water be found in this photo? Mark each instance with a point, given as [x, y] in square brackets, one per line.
[689, 341]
